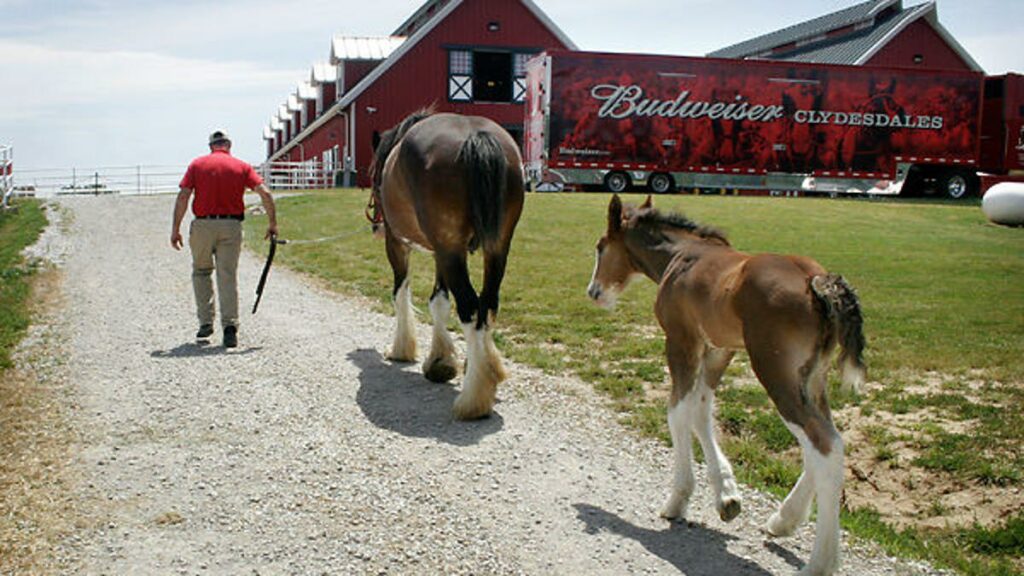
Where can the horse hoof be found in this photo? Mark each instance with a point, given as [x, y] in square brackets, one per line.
[439, 371]
[467, 410]
[729, 509]
[777, 527]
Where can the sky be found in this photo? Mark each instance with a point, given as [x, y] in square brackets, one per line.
[101, 83]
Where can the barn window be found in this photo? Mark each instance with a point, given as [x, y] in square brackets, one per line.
[487, 76]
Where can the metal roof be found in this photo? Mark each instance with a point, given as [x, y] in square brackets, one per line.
[275, 123]
[293, 103]
[268, 133]
[323, 73]
[863, 13]
[306, 91]
[363, 47]
[868, 28]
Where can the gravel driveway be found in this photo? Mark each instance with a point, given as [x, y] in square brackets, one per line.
[303, 451]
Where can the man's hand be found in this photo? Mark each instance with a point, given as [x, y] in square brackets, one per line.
[176, 242]
[271, 231]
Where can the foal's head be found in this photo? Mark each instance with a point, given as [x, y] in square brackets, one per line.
[614, 268]
[640, 241]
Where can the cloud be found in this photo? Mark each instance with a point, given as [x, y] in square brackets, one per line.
[39, 79]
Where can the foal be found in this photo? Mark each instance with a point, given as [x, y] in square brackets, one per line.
[786, 311]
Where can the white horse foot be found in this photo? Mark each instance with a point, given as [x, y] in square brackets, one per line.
[675, 508]
[483, 373]
[779, 527]
[404, 347]
[439, 368]
[729, 508]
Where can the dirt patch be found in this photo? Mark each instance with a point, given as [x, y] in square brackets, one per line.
[880, 474]
[36, 510]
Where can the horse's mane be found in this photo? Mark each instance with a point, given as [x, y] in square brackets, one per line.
[390, 138]
[650, 217]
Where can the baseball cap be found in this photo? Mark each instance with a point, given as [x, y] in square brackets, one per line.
[219, 136]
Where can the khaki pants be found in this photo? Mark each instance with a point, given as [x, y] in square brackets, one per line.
[216, 244]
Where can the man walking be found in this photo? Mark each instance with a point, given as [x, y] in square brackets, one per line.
[219, 181]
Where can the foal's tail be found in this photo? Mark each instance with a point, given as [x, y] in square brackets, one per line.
[484, 161]
[842, 309]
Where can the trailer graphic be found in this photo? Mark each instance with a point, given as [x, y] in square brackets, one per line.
[669, 122]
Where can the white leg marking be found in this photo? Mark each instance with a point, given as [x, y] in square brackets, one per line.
[404, 347]
[723, 481]
[682, 444]
[795, 509]
[826, 474]
[440, 364]
[483, 373]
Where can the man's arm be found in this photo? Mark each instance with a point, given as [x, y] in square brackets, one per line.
[180, 206]
[268, 206]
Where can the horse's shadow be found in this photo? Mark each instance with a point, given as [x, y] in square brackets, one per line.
[407, 403]
[695, 550]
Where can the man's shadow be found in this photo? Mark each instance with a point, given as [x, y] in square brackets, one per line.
[198, 349]
[407, 403]
[695, 550]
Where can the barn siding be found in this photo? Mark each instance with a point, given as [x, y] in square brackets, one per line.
[919, 38]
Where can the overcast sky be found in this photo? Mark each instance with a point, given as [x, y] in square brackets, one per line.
[95, 83]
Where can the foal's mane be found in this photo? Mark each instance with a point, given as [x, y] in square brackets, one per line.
[652, 218]
[390, 138]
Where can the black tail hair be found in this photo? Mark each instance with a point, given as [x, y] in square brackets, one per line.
[842, 307]
[484, 161]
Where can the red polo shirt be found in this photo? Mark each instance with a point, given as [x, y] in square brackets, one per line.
[219, 181]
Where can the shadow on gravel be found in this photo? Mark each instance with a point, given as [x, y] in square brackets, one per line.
[790, 558]
[194, 349]
[695, 550]
[407, 403]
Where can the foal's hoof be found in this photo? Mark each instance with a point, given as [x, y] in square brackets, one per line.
[729, 508]
[439, 371]
[466, 408]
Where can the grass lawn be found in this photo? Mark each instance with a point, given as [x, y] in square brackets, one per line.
[942, 292]
[19, 227]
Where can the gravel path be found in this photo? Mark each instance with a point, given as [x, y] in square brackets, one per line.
[305, 452]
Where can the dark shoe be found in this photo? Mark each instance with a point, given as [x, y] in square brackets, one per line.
[205, 331]
[230, 336]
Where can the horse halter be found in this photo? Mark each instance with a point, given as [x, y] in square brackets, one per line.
[373, 212]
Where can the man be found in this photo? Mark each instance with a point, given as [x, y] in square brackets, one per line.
[219, 181]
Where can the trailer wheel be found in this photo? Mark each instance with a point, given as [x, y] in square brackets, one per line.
[616, 182]
[957, 185]
[661, 183]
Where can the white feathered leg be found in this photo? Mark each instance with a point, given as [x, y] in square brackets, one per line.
[404, 347]
[440, 365]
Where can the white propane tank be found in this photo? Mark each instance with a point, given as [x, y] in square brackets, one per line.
[1004, 204]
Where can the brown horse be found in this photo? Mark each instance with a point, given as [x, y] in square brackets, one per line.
[786, 311]
[450, 184]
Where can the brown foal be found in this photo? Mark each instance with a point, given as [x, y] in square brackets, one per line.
[787, 312]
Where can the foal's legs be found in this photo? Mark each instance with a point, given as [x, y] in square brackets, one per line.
[682, 354]
[803, 405]
[440, 365]
[479, 385]
[727, 494]
[404, 347]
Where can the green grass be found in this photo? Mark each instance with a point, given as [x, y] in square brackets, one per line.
[942, 291]
[19, 227]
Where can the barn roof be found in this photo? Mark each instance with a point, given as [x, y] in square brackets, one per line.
[439, 11]
[268, 133]
[323, 73]
[363, 47]
[293, 103]
[850, 36]
[306, 91]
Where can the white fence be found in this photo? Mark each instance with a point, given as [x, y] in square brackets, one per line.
[147, 179]
[6, 173]
[310, 174]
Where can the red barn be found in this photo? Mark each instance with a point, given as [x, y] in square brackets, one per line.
[873, 33]
[464, 56]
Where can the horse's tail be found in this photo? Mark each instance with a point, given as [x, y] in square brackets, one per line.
[841, 308]
[483, 160]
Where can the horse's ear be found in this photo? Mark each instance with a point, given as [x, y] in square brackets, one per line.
[647, 203]
[615, 214]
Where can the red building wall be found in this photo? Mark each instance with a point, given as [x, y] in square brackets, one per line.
[919, 39]
[420, 77]
[356, 70]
